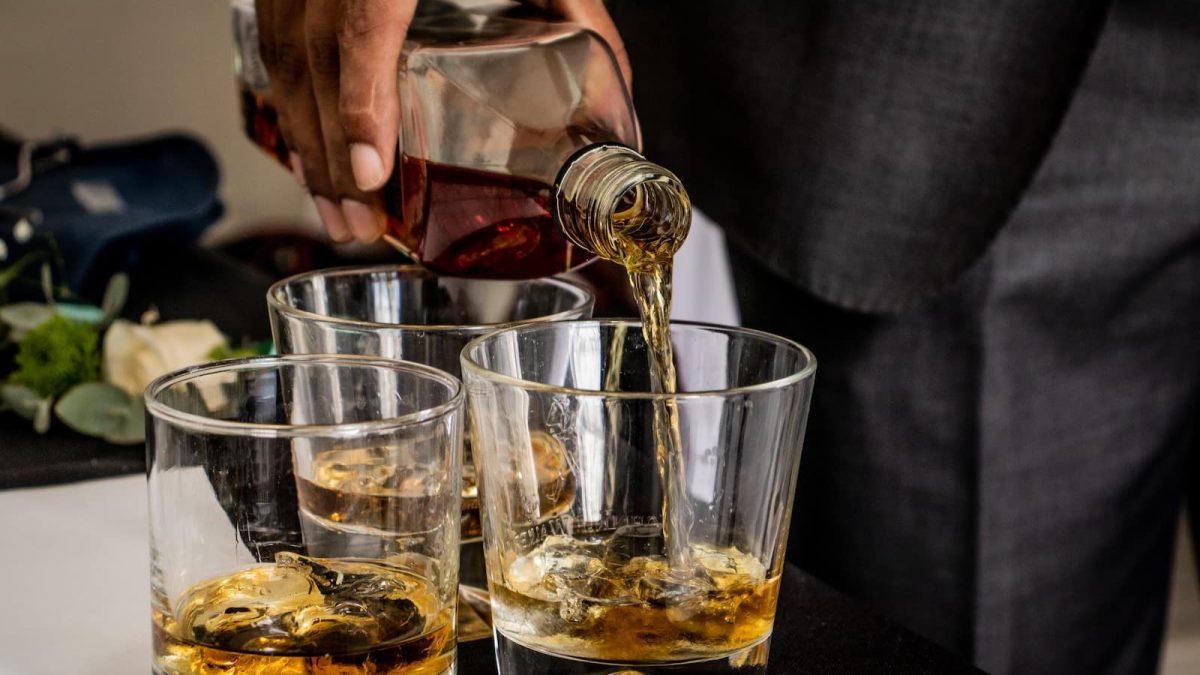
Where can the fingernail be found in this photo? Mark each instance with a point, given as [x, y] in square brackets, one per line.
[367, 166]
[297, 170]
[365, 222]
[335, 223]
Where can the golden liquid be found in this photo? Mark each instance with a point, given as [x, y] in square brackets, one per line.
[260, 122]
[302, 616]
[552, 472]
[371, 490]
[367, 490]
[576, 597]
[454, 220]
[647, 248]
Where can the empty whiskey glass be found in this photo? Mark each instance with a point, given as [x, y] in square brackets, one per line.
[581, 567]
[304, 516]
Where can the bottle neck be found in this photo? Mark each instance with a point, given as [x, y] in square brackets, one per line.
[609, 200]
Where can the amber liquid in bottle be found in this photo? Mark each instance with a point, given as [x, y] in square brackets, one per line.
[463, 222]
[454, 221]
[491, 104]
[260, 122]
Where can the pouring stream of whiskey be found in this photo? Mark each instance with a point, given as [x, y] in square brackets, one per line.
[649, 263]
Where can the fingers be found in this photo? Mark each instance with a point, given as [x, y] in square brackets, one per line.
[299, 119]
[265, 16]
[333, 219]
[370, 35]
[332, 65]
[593, 15]
[333, 72]
[361, 213]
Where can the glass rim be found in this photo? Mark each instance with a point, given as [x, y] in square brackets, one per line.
[584, 299]
[195, 422]
[806, 372]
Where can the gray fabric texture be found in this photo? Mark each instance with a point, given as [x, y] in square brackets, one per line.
[869, 150]
[996, 454]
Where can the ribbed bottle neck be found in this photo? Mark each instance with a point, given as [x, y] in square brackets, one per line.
[609, 200]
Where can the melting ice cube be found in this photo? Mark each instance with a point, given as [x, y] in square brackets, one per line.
[304, 605]
[727, 568]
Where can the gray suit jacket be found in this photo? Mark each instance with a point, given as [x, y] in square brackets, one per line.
[869, 150]
[1010, 190]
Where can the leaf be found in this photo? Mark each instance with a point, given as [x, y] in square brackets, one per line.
[134, 429]
[115, 295]
[10, 273]
[41, 417]
[26, 403]
[48, 283]
[225, 352]
[100, 409]
[23, 317]
[20, 399]
[247, 350]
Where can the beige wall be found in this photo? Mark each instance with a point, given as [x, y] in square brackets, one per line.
[105, 69]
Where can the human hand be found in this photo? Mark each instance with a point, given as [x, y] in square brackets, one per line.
[332, 67]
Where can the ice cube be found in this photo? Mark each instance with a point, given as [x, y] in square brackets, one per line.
[306, 605]
[655, 583]
[357, 595]
[245, 609]
[571, 573]
[727, 568]
[633, 541]
[559, 565]
[375, 470]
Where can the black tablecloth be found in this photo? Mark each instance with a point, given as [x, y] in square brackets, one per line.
[817, 629]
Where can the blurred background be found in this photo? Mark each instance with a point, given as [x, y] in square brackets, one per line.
[121, 69]
[126, 68]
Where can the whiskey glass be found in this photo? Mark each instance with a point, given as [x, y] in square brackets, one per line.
[563, 421]
[304, 516]
[405, 312]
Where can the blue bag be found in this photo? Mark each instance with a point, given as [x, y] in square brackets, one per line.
[103, 204]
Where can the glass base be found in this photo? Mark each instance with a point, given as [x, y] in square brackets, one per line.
[513, 658]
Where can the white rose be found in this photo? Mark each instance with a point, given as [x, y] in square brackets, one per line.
[134, 354]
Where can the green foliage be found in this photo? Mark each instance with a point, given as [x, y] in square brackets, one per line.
[26, 403]
[100, 409]
[22, 317]
[244, 352]
[115, 295]
[56, 356]
[58, 353]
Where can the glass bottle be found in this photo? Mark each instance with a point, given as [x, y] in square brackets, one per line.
[609, 200]
[498, 107]
[260, 122]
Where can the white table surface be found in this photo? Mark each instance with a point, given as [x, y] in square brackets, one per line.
[75, 571]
